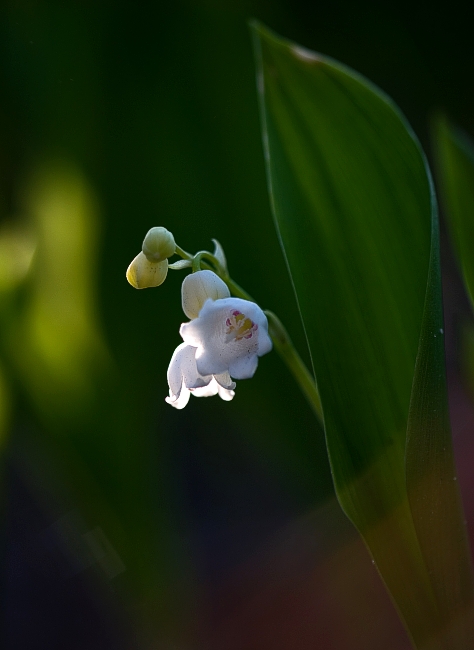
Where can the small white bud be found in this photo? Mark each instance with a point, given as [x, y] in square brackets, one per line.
[142, 273]
[158, 244]
[198, 287]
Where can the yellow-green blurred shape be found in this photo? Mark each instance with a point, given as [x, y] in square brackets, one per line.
[5, 407]
[17, 247]
[58, 344]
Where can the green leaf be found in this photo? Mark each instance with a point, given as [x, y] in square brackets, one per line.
[455, 166]
[354, 208]
[431, 474]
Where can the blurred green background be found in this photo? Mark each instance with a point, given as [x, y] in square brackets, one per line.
[128, 524]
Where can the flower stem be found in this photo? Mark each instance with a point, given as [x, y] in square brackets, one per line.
[182, 253]
[287, 351]
[279, 335]
[294, 363]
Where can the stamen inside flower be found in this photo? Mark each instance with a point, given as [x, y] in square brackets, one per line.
[239, 326]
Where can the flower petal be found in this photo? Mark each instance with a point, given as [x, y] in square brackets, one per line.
[226, 395]
[206, 391]
[229, 335]
[244, 367]
[179, 401]
[265, 344]
[174, 374]
[184, 379]
[183, 371]
[213, 389]
[225, 381]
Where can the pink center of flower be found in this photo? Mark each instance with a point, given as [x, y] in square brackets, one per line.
[239, 326]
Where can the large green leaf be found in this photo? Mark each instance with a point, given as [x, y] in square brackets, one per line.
[355, 211]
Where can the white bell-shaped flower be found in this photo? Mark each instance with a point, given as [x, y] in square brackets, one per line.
[229, 335]
[199, 287]
[184, 379]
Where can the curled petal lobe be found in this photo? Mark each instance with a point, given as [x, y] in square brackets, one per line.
[225, 394]
[224, 381]
[213, 388]
[180, 400]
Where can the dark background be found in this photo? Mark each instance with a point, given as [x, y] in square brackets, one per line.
[128, 524]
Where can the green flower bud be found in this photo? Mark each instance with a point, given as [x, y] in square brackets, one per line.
[198, 287]
[158, 244]
[143, 274]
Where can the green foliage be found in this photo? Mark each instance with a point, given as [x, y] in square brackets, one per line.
[354, 207]
[455, 167]
[114, 121]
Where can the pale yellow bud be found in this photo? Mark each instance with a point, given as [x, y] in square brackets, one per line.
[158, 244]
[143, 274]
[198, 287]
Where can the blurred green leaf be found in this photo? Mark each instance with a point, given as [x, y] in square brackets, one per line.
[56, 341]
[431, 474]
[455, 169]
[455, 166]
[355, 211]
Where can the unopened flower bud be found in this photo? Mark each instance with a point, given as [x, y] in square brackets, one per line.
[198, 287]
[158, 244]
[143, 274]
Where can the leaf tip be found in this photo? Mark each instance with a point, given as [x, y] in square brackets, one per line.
[254, 24]
[261, 32]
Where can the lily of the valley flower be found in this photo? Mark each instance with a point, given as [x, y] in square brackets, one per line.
[229, 335]
[223, 339]
[184, 379]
